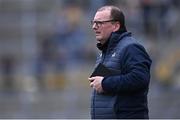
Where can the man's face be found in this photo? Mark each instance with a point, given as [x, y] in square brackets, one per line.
[102, 25]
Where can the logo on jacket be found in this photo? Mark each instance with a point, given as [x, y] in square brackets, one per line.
[113, 55]
[100, 55]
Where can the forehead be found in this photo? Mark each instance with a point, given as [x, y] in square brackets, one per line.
[102, 15]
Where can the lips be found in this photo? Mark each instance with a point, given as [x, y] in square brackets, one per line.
[98, 36]
[97, 33]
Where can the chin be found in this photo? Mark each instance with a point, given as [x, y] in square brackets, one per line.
[98, 38]
[99, 41]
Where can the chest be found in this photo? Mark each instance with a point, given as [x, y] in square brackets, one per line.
[112, 60]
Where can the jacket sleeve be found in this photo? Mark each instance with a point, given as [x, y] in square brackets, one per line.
[135, 72]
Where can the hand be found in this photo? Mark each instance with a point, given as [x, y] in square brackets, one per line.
[96, 83]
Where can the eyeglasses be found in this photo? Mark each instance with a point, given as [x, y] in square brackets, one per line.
[100, 23]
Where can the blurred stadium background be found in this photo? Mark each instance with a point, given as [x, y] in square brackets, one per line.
[47, 52]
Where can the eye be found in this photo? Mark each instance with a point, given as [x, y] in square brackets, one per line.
[99, 22]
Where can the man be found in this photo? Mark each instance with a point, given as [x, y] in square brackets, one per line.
[123, 95]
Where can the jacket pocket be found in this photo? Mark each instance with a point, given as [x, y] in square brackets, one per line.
[104, 105]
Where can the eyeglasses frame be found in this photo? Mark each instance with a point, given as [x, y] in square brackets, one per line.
[100, 23]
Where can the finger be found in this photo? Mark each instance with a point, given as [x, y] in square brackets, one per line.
[91, 84]
[91, 79]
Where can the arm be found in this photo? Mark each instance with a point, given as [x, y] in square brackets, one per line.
[136, 72]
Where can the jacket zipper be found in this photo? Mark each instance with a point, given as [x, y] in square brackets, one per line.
[101, 61]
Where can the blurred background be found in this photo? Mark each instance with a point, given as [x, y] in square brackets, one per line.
[48, 51]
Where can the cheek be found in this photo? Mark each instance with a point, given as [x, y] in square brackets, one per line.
[107, 31]
[106, 34]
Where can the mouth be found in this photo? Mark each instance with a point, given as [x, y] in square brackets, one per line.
[97, 33]
[98, 36]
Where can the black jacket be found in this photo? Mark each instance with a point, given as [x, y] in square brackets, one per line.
[125, 94]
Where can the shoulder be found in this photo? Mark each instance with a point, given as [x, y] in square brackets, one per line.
[127, 42]
[131, 46]
[137, 53]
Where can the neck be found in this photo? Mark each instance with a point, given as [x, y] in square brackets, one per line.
[104, 46]
[101, 46]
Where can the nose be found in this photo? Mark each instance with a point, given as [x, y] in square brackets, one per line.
[94, 26]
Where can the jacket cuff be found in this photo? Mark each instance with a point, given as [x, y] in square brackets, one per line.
[105, 84]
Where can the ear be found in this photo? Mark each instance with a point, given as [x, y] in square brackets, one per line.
[116, 26]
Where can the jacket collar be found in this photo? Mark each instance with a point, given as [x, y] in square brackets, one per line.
[113, 40]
